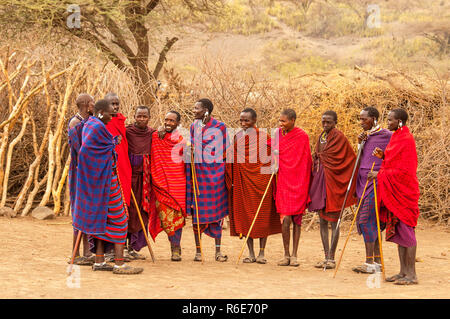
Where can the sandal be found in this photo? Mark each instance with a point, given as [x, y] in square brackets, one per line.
[365, 269]
[102, 267]
[134, 255]
[284, 262]
[220, 257]
[127, 270]
[406, 281]
[249, 260]
[293, 262]
[261, 260]
[83, 261]
[394, 278]
[176, 256]
[320, 264]
[198, 257]
[329, 264]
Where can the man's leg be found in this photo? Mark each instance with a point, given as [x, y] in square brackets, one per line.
[251, 252]
[324, 236]
[100, 263]
[99, 251]
[296, 231]
[86, 251]
[262, 245]
[334, 239]
[120, 267]
[402, 258]
[410, 262]
[370, 251]
[286, 234]
[219, 256]
[198, 252]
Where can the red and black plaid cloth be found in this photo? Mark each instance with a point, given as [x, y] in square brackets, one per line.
[398, 186]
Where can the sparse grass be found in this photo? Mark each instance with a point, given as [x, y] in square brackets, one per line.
[392, 50]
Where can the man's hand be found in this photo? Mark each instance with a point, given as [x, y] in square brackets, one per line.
[274, 168]
[161, 132]
[362, 137]
[378, 152]
[372, 175]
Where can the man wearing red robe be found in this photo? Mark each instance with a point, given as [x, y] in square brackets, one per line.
[398, 189]
[334, 160]
[294, 172]
[117, 128]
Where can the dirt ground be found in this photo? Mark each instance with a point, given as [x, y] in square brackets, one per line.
[34, 255]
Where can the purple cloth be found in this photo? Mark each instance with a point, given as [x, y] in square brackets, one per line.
[317, 189]
[175, 239]
[379, 139]
[405, 235]
[137, 240]
[136, 160]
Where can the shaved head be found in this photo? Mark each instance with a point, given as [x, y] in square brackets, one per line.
[83, 100]
[113, 99]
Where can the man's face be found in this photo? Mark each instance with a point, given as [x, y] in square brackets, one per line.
[246, 120]
[90, 108]
[365, 121]
[170, 122]
[115, 103]
[142, 117]
[392, 122]
[199, 111]
[328, 123]
[285, 123]
[107, 114]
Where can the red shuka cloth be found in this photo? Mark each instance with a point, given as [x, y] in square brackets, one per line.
[338, 160]
[117, 127]
[168, 176]
[294, 173]
[398, 186]
[246, 186]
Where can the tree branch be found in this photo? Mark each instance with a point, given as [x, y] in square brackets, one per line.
[162, 56]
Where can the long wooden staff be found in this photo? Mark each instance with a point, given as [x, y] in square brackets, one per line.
[143, 226]
[195, 188]
[378, 228]
[353, 222]
[333, 238]
[77, 246]
[254, 219]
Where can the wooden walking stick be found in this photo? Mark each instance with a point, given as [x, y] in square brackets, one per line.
[254, 219]
[378, 228]
[345, 201]
[143, 226]
[196, 189]
[353, 222]
[77, 246]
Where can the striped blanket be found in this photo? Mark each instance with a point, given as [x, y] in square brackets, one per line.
[168, 182]
[209, 144]
[74, 140]
[93, 180]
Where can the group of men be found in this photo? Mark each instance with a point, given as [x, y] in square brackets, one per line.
[127, 180]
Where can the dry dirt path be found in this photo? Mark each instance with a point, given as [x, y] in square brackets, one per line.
[34, 254]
